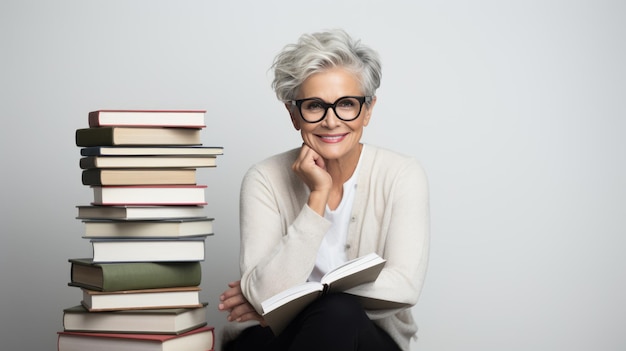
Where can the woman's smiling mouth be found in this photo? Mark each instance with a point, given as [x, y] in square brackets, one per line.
[334, 138]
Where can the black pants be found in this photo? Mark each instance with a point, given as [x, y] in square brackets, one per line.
[334, 322]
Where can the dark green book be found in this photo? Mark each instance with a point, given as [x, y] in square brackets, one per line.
[133, 275]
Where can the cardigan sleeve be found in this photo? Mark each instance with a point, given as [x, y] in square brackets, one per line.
[278, 244]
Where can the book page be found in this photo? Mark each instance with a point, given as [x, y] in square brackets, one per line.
[352, 267]
[290, 294]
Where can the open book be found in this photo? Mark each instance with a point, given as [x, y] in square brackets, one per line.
[281, 308]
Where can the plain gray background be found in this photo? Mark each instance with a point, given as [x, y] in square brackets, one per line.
[515, 108]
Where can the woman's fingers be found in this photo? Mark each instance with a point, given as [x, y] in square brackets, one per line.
[240, 310]
[242, 313]
[231, 297]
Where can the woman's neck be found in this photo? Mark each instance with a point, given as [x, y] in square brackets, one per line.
[340, 171]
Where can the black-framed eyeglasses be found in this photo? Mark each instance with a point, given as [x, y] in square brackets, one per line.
[346, 108]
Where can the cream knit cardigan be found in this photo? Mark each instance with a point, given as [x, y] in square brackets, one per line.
[280, 234]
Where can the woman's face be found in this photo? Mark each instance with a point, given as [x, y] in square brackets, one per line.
[332, 138]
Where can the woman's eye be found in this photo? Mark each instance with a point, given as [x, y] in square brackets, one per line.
[348, 103]
[344, 104]
[314, 106]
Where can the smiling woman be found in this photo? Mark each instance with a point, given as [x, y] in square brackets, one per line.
[332, 143]
[313, 208]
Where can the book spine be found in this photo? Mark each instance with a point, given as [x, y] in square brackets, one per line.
[94, 119]
[88, 162]
[150, 275]
[91, 177]
[90, 151]
[94, 136]
[325, 288]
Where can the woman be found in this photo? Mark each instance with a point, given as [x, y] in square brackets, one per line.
[306, 211]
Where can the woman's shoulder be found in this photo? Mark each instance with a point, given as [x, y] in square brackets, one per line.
[382, 157]
[388, 168]
[278, 160]
[277, 166]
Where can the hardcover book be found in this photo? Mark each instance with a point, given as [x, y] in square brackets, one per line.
[148, 250]
[85, 273]
[281, 308]
[136, 176]
[179, 297]
[111, 136]
[139, 212]
[150, 321]
[151, 150]
[199, 339]
[143, 118]
[149, 195]
[111, 228]
[90, 162]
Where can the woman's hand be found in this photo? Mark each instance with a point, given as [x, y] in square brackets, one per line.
[311, 168]
[238, 307]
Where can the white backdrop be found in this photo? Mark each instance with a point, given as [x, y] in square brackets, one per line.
[515, 108]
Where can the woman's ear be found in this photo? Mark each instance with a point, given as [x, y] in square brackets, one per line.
[293, 114]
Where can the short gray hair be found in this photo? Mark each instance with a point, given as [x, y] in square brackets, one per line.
[317, 52]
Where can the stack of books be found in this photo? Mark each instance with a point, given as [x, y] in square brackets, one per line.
[147, 228]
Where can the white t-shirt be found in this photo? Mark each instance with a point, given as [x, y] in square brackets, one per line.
[332, 251]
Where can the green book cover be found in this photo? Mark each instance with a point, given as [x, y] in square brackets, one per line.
[133, 275]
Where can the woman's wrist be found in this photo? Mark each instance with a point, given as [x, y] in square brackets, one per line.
[318, 200]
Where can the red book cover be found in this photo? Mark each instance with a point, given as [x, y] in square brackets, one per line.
[159, 338]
